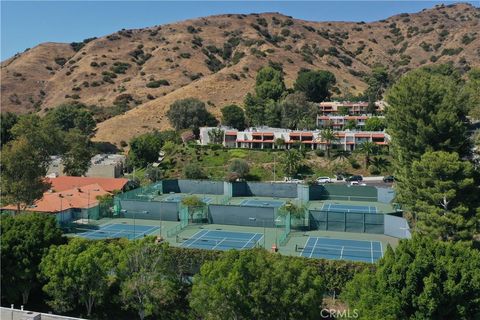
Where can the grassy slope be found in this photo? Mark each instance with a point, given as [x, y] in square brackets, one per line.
[215, 163]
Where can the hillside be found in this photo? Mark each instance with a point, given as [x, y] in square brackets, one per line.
[216, 58]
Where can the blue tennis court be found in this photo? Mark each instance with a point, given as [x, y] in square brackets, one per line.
[342, 249]
[222, 240]
[348, 208]
[262, 203]
[179, 197]
[119, 231]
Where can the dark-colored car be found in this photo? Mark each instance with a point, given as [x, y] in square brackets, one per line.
[388, 179]
[354, 178]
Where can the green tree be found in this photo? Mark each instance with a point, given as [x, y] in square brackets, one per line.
[377, 83]
[239, 167]
[472, 91]
[351, 125]
[367, 148]
[315, 84]
[23, 168]
[144, 149]
[193, 204]
[79, 273]
[328, 136]
[253, 284]
[233, 116]
[254, 110]
[295, 110]
[72, 116]
[425, 113]
[8, 120]
[190, 113]
[269, 83]
[147, 280]
[25, 240]
[380, 162]
[273, 114]
[343, 111]
[76, 160]
[293, 211]
[292, 162]
[341, 155]
[375, 124]
[43, 136]
[194, 171]
[153, 174]
[421, 279]
[216, 135]
[442, 191]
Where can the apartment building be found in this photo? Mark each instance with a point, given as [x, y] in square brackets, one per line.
[340, 122]
[351, 108]
[277, 138]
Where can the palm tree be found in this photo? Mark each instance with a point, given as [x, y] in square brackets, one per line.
[368, 148]
[341, 154]
[381, 163]
[292, 162]
[329, 136]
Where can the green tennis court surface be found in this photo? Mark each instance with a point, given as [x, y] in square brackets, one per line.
[118, 231]
[342, 249]
[262, 203]
[221, 240]
[348, 208]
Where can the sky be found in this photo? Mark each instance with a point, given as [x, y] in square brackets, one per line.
[24, 24]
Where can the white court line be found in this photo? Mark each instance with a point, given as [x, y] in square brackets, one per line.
[219, 243]
[341, 253]
[195, 239]
[260, 237]
[249, 240]
[150, 230]
[371, 250]
[313, 247]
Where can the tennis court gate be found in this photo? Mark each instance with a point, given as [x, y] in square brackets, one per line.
[362, 222]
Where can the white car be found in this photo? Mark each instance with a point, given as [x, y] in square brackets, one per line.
[322, 180]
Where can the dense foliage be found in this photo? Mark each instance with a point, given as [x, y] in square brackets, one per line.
[257, 285]
[444, 195]
[190, 113]
[421, 279]
[25, 240]
[315, 84]
[145, 148]
[233, 116]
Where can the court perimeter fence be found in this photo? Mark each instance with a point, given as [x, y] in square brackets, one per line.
[258, 189]
[150, 203]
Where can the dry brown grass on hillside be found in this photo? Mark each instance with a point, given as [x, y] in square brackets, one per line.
[174, 53]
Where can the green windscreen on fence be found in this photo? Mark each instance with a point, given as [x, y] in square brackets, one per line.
[146, 193]
[184, 217]
[286, 221]
[343, 192]
[362, 222]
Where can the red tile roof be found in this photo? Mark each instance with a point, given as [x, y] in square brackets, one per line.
[75, 198]
[67, 182]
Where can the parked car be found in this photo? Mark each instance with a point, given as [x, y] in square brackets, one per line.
[389, 179]
[356, 183]
[293, 181]
[322, 180]
[354, 178]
